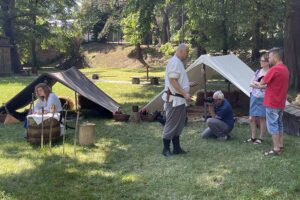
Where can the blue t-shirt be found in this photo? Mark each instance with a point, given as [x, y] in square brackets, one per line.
[224, 113]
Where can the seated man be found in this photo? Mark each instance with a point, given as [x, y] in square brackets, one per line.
[222, 122]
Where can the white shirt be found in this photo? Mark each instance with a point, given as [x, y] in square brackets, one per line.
[175, 69]
[46, 104]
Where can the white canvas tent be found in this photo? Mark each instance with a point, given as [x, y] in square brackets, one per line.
[229, 66]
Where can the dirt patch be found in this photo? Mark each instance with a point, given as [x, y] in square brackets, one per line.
[120, 55]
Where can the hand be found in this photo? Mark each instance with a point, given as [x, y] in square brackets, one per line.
[254, 84]
[187, 96]
[194, 83]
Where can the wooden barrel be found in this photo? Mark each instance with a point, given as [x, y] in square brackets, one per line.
[35, 131]
[87, 133]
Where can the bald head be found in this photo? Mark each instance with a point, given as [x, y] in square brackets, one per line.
[182, 51]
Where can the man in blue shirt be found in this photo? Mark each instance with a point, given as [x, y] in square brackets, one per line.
[222, 122]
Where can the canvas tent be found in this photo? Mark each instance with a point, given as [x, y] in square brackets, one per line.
[71, 78]
[229, 66]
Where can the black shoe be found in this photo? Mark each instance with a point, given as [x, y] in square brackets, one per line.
[166, 150]
[179, 151]
[176, 144]
[166, 153]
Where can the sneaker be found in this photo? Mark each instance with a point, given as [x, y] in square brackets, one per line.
[226, 137]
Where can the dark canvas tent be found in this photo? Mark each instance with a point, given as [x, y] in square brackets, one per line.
[71, 78]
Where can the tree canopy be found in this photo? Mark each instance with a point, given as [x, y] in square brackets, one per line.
[222, 26]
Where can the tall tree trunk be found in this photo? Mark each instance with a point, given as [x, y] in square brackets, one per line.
[34, 68]
[8, 8]
[156, 33]
[200, 50]
[292, 42]
[224, 29]
[165, 31]
[139, 57]
[256, 42]
[225, 37]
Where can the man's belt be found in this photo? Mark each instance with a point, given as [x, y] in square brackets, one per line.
[169, 93]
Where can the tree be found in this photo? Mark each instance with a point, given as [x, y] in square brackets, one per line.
[292, 42]
[26, 23]
[8, 10]
[137, 25]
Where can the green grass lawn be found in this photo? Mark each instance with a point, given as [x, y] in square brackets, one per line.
[126, 161]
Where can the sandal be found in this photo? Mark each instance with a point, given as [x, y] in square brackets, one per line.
[258, 141]
[250, 140]
[272, 152]
[281, 149]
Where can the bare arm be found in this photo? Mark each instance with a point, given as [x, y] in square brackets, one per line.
[262, 84]
[258, 85]
[177, 87]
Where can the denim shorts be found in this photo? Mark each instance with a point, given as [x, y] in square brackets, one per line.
[257, 109]
[274, 121]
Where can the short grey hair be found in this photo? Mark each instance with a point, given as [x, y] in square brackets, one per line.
[182, 47]
[218, 95]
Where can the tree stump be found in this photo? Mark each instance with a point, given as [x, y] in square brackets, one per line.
[135, 117]
[87, 133]
[95, 76]
[135, 80]
[154, 81]
[135, 108]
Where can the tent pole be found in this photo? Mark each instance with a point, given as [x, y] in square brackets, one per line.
[76, 125]
[205, 91]
[76, 106]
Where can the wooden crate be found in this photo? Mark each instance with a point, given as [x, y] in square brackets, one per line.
[291, 120]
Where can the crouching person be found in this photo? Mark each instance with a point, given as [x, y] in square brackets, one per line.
[221, 122]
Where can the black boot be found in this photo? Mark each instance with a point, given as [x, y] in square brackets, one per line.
[176, 144]
[166, 151]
